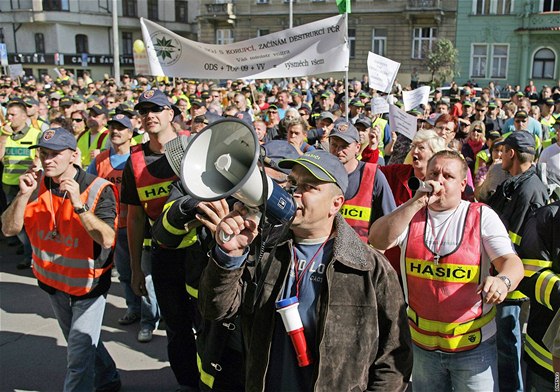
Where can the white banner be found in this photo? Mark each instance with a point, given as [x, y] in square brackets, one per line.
[313, 48]
[382, 72]
[379, 105]
[414, 98]
[402, 122]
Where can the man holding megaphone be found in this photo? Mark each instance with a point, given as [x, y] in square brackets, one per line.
[343, 297]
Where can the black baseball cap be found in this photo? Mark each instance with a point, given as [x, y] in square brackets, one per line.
[56, 139]
[520, 141]
[322, 165]
[121, 119]
[276, 150]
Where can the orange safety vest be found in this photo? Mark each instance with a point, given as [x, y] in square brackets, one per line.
[65, 261]
[152, 191]
[357, 210]
[107, 171]
[445, 312]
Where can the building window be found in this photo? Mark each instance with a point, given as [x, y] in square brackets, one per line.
[127, 43]
[499, 61]
[129, 8]
[544, 62]
[504, 7]
[481, 7]
[261, 32]
[422, 41]
[56, 5]
[352, 42]
[181, 11]
[379, 41]
[39, 43]
[262, 1]
[224, 36]
[81, 43]
[550, 5]
[479, 59]
[153, 10]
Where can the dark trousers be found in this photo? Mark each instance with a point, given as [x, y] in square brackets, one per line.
[178, 311]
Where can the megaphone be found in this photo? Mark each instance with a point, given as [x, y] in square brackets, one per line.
[222, 160]
[417, 185]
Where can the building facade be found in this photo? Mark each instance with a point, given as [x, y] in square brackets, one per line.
[402, 30]
[509, 41]
[78, 35]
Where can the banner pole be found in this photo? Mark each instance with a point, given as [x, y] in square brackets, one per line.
[346, 73]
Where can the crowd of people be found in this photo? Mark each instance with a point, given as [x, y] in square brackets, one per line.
[408, 260]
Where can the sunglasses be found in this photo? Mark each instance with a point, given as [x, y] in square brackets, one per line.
[520, 121]
[151, 109]
[272, 111]
[480, 110]
[477, 130]
[78, 119]
[303, 113]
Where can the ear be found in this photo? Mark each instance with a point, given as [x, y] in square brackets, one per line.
[74, 156]
[337, 203]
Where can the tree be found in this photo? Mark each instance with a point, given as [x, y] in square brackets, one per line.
[442, 61]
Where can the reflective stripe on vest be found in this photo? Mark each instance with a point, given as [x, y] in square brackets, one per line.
[206, 378]
[193, 292]
[357, 211]
[445, 311]
[538, 353]
[65, 261]
[515, 238]
[543, 288]
[531, 266]
[107, 171]
[152, 191]
[18, 157]
[516, 294]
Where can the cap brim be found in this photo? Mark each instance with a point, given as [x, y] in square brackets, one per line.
[51, 147]
[317, 171]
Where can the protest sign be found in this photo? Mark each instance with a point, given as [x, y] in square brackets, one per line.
[379, 105]
[402, 122]
[414, 98]
[313, 48]
[382, 72]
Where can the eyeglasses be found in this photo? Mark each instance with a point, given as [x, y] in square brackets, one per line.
[478, 130]
[480, 109]
[303, 113]
[520, 121]
[55, 99]
[77, 119]
[272, 112]
[151, 109]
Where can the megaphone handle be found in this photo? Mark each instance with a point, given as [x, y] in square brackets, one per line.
[253, 213]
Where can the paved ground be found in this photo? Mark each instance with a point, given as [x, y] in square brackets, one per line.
[32, 348]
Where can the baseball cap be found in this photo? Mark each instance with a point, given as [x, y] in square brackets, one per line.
[325, 115]
[121, 119]
[155, 97]
[66, 102]
[467, 103]
[30, 102]
[322, 165]
[521, 114]
[520, 141]
[549, 102]
[56, 139]
[276, 150]
[493, 135]
[492, 105]
[357, 103]
[345, 131]
[198, 102]
[200, 119]
[365, 121]
[56, 96]
[98, 109]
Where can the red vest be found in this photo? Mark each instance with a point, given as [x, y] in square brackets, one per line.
[445, 312]
[357, 211]
[152, 191]
[65, 261]
[107, 171]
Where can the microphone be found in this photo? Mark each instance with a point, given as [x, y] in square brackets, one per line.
[417, 185]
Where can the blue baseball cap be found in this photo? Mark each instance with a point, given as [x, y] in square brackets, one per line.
[345, 131]
[155, 97]
[56, 139]
[322, 165]
[276, 150]
[121, 119]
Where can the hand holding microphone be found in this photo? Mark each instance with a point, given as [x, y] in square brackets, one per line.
[424, 188]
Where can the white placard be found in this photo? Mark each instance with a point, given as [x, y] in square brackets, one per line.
[382, 72]
[379, 105]
[313, 48]
[15, 70]
[402, 122]
[416, 97]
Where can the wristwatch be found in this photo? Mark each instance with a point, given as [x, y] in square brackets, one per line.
[82, 209]
[506, 280]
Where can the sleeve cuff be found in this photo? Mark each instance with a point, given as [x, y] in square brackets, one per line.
[229, 262]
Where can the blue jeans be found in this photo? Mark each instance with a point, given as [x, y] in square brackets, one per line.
[89, 364]
[473, 370]
[509, 346]
[146, 306]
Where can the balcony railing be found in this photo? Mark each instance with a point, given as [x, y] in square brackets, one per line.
[426, 4]
[223, 9]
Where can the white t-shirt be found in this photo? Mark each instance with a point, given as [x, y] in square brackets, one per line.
[448, 232]
[551, 156]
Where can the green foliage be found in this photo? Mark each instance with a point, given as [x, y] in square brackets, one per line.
[442, 61]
